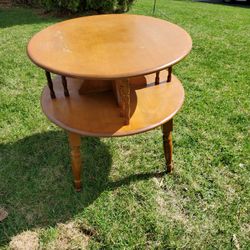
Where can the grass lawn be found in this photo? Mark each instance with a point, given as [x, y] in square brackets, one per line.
[125, 204]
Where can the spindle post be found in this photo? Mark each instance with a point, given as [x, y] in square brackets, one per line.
[157, 78]
[169, 74]
[65, 88]
[50, 84]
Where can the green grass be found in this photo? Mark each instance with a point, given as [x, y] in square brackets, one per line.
[124, 203]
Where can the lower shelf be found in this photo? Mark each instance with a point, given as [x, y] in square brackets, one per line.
[97, 114]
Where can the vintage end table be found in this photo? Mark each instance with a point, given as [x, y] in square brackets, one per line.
[114, 77]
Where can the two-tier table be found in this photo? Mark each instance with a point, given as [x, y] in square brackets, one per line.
[113, 77]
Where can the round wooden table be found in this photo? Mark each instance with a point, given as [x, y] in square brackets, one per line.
[113, 77]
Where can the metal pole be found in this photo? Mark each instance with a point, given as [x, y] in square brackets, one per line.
[154, 7]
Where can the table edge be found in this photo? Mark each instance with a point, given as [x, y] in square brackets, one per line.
[117, 76]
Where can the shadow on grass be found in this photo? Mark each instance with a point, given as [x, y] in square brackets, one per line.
[21, 16]
[240, 4]
[36, 182]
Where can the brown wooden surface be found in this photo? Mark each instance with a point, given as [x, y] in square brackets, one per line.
[94, 86]
[122, 95]
[109, 46]
[167, 129]
[75, 143]
[98, 114]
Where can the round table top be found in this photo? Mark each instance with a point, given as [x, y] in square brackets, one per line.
[109, 46]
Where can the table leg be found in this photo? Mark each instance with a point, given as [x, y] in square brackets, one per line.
[167, 129]
[75, 142]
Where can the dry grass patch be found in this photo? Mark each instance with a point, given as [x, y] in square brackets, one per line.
[69, 236]
[25, 241]
[174, 214]
[170, 205]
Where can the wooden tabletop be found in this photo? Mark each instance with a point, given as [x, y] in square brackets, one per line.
[109, 46]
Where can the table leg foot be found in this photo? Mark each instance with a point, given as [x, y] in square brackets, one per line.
[75, 142]
[167, 129]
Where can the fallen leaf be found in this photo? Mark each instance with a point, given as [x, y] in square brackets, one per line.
[3, 214]
[236, 242]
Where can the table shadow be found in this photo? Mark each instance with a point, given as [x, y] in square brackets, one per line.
[22, 16]
[221, 2]
[36, 182]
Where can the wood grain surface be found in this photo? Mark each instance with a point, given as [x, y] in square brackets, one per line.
[109, 46]
[98, 114]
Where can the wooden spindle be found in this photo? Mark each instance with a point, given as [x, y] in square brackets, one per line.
[167, 129]
[157, 78]
[169, 74]
[50, 84]
[64, 82]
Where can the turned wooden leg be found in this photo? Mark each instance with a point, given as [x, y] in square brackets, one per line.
[167, 129]
[75, 142]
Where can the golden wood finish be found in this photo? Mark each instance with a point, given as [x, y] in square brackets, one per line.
[109, 46]
[94, 86]
[110, 82]
[97, 114]
[123, 98]
[167, 129]
[75, 142]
